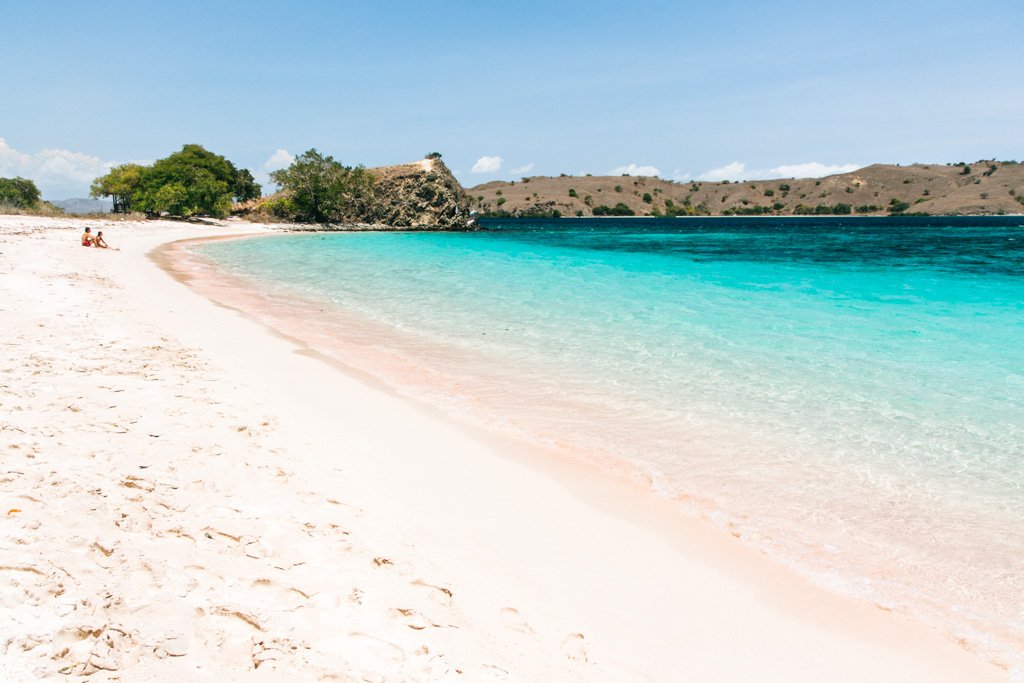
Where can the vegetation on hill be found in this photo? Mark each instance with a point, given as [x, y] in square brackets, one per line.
[981, 188]
[190, 182]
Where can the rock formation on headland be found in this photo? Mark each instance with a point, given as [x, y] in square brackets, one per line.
[422, 195]
[980, 188]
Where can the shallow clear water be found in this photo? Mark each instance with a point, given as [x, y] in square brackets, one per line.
[847, 394]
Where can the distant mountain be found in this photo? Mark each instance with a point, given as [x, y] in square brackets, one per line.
[979, 188]
[82, 205]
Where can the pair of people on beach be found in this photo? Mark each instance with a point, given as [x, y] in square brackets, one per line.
[88, 240]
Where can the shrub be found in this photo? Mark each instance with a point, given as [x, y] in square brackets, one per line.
[572, 193]
[769, 193]
[501, 200]
[755, 210]
[867, 208]
[647, 198]
[433, 155]
[966, 170]
[619, 209]
[579, 214]
[618, 188]
[784, 188]
[778, 206]
[896, 206]
[841, 209]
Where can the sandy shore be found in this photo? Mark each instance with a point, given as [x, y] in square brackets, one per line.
[188, 496]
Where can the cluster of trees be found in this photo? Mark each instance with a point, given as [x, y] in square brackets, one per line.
[193, 181]
[685, 209]
[822, 209]
[318, 189]
[19, 193]
[619, 209]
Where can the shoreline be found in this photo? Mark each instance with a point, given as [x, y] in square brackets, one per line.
[568, 550]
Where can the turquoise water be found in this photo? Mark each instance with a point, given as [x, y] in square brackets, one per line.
[846, 394]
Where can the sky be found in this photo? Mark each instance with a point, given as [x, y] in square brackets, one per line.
[682, 90]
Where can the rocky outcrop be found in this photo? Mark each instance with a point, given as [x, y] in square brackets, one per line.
[423, 195]
[420, 195]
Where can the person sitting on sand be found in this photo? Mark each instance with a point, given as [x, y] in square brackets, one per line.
[99, 241]
[87, 240]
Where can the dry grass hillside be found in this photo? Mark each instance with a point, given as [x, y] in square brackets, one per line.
[979, 188]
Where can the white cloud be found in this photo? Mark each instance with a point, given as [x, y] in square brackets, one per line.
[633, 169]
[733, 171]
[522, 170]
[811, 170]
[487, 165]
[278, 160]
[59, 173]
[738, 171]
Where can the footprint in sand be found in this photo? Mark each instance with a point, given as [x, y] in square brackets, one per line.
[414, 619]
[438, 594]
[374, 654]
[572, 647]
[511, 618]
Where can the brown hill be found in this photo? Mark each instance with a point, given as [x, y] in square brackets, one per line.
[981, 188]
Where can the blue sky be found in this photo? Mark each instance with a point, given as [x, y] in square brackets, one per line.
[681, 89]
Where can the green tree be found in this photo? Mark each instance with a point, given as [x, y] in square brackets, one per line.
[19, 192]
[192, 181]
[321, 190]
[896, 206]
[619, 209]
[121, 184]
[245, 187]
